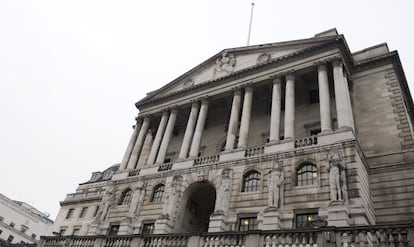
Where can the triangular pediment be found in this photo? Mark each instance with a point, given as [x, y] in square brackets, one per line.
[232, 60]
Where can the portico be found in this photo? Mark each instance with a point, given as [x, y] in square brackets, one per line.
[276, 92]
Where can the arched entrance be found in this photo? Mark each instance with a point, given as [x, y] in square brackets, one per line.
[196, 207]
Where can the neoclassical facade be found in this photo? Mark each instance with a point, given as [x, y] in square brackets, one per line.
[266, 137]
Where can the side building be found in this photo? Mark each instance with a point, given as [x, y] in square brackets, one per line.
[22, 223]
[258, 145]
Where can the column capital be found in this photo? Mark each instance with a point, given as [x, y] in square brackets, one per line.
[277, 79]
[236, 88]
[290, 76]
[322, 62]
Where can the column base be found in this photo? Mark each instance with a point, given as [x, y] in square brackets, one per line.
[125, 227]
[272, 219]
[326, 132]
[218, 223]
[163, 225]
[338, 214]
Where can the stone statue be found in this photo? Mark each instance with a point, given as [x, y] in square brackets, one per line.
[336, 188]
[224, 191]
[137, 199]
[107, 200]
[172, 197]
[275, 185]
[224, 65]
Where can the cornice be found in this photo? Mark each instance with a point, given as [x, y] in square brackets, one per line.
[257, 68]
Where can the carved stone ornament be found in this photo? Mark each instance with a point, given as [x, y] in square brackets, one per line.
[335, 155]
[264, 57]
[188, 83]
[224, 65]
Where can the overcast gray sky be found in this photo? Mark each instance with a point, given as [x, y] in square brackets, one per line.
[71, 71]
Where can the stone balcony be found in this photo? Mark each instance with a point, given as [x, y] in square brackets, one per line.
[294, 145]
[392, 235]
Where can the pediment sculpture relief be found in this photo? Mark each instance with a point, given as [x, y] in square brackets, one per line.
[224, 65]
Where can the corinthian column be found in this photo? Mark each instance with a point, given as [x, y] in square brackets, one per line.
[290, 107]
[275, 114]
[131, 143]
[167, 137]
[195, 145]
[189, 130]
[234, 121]
[138, 144]
[324, 98]
[245, 119]
[342, 98]
[158, 138]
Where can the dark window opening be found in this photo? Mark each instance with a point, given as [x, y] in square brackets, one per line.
[113, 230]
[313, 96]
[125, 197]
[247, 223]
[147, 228]
[158, 193]
[304, 220]
[306, 175]
[251, 181]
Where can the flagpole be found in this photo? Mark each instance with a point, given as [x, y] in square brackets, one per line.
[250, 25]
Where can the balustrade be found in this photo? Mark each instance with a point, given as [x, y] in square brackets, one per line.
[204, 160]
[224, 240]
[165, 167]
[134, 172]
[291, 239]
[306, 141]
[359, 236]
[254, 151]
[167, 241]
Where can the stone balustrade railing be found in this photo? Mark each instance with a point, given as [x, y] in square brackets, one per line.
[291, 239]
[134, 172]
[165, 167]
[254, 151]
[397, 235]
[204, 160]
[306, 141]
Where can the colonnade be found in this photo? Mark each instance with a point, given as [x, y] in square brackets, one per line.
[190, 146]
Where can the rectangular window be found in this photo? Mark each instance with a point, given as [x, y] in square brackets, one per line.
[247, 223]
[10, 238]
[314, 96]
[315, 131]
[70, 212]
[83, 212]
[113, 230]
[304, 220]
[75, 231]
[148, 228]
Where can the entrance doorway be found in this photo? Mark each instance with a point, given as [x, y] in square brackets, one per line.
[196, 207]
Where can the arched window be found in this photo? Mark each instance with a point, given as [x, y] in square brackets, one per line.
[125, 197]
[251, 181]
[306, 174]
[158, 192]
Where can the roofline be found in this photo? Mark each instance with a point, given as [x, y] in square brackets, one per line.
[241, 48]
[337, 39]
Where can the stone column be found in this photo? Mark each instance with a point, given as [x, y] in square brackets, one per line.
[167, 137]
[342, 96]
[245, 119]
[189, 130]
[158, 138]
[324, 99]
[131, 143]
[275, 114]
[290, 107]
[138, 144]
[195, 144]
[234, 121]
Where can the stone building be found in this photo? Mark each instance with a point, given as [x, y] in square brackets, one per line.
[273, 137]
[21, 223]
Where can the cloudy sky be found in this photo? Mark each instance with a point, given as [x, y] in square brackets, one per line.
[71, 71]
